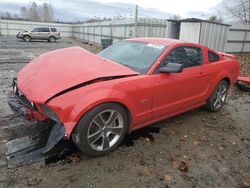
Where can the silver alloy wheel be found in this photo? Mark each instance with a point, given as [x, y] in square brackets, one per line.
[26, 38]
[52, 39]
[105, 130]
[220, 96]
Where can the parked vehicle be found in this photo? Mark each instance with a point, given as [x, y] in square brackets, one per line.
[40, 33]
[96, 99]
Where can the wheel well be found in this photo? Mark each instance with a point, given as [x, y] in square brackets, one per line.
[120, 104]
[128, 112]
[227, 80]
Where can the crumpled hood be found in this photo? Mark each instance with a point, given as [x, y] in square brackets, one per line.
[56, 71]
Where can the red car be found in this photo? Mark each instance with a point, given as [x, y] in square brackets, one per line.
[96, 99]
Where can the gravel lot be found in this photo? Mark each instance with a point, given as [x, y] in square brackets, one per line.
[196, 149]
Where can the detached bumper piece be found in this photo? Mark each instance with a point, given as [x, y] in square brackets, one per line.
[34, 148]
[243, 83]
[27, 150]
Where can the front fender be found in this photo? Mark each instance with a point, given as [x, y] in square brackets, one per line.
[71, 106]
[95, 98]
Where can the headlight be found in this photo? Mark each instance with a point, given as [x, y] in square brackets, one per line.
[49, 113]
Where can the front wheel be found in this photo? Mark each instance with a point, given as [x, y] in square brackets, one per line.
[27, 38]
[101, 129]
[218, 97]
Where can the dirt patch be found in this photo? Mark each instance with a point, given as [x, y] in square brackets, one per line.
[244, 60]
[196, 149]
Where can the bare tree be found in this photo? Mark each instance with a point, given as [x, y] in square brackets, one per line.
[24, 13]
[239, 9]
[46, 12]
[6, 15]
[36, 12]
[215, 18]
[175, 17]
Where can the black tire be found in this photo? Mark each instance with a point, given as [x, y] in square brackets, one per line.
[211, 104]
[81, 135]
[52, 39]
[243, 86]
[27, 38]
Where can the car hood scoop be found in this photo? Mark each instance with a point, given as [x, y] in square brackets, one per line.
[56, 71]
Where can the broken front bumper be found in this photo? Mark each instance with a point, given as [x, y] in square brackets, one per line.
[32, 148]
[21, 106]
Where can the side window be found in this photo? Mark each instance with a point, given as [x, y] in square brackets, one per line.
[44, 29]
[186, 55]
[53, 29]
[212, 57]
[36, 29]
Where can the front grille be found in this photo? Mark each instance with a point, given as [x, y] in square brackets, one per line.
[21, 97]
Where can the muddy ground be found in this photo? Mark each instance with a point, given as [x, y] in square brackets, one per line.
[196, 149]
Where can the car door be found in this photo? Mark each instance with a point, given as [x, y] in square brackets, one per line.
[35, 33]
[177, 92]
[44, 33]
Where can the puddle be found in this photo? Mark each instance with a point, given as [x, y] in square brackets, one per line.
[138, 134]
[68, 152]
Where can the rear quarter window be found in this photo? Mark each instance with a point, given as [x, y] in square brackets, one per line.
[213, 57]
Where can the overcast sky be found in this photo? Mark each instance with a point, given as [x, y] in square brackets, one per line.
[68, 10]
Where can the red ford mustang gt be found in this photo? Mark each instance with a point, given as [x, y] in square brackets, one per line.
[96, 99]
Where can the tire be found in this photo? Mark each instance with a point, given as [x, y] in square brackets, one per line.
[27, 38]
[101, 129]
[218, 97]
[52, 39]
[243, 86]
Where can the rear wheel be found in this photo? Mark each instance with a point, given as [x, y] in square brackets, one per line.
[101, 129]
[52, 39]
[27, 38]
[218, 97]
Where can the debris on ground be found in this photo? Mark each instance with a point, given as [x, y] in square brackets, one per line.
[180, 165]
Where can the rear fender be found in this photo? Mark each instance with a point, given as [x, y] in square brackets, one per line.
[222, 75]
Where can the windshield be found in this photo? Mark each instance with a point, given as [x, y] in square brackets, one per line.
[135, 55]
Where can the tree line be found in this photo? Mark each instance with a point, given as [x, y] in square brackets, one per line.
[237, 10]
[33, 12]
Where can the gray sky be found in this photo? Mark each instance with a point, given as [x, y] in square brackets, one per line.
[68, 10]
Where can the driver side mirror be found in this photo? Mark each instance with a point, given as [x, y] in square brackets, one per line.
[171, 68]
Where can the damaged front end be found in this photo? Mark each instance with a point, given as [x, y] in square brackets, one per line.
[37, 147]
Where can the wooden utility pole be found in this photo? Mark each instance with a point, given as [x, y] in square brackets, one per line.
[136, 20]
[248, 12]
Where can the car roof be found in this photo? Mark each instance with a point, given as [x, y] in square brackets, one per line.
[161, 41]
